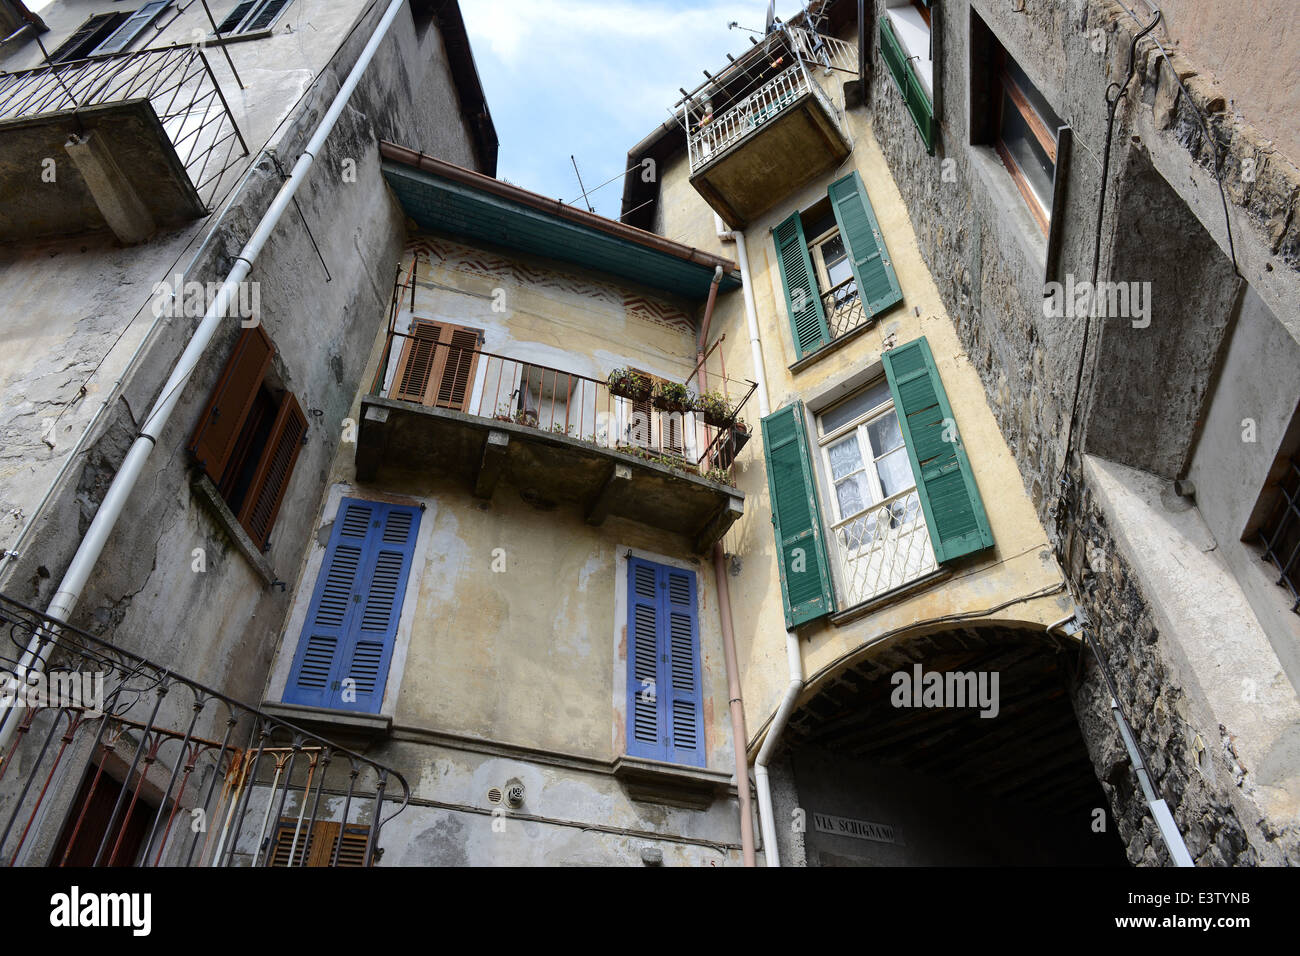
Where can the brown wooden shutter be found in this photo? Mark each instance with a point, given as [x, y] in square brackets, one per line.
[227, 409]
[456, 375]
[319, 844]
[262, 503]
[437, 366]
[415, 367]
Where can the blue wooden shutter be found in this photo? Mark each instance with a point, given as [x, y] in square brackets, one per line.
[645, 717]
[945, 483]
[682, 667]
[352, 621]
[796, 518]
[803, 301]
[665, 709]
[877, 284]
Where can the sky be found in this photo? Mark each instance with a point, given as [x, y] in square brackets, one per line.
[592, 78]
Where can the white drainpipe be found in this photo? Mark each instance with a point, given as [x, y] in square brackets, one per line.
[92, 545]
[793, 657]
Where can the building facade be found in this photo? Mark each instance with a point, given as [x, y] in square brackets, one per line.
[929, 499]
[985, 138]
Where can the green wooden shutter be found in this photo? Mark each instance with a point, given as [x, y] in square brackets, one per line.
[877, 283]
[796, 518]
[945, 483]
[909, 84]
[802, 300]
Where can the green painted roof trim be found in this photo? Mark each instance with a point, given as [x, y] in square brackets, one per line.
[441, 205]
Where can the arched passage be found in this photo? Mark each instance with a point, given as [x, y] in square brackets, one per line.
[959, 747]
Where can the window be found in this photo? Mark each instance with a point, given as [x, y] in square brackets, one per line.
[862, 449]
[665, 713]
[897, 484]
[108, 33]
[321, 847]
[251, 16]
[878, 535]
[907, 47]
[841, 279]
[1280, 535]
[249, 436]
[347, 641]
[1025, 138]
[642, 425]
[436, 365]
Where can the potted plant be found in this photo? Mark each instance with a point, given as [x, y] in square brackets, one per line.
[625, 383]
[729, 445]
[672, 397]
[714, 408]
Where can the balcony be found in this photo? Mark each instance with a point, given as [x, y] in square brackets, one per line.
[150, 139]
[882, 549]
[559, 438]
[764, 127]
[116, 761]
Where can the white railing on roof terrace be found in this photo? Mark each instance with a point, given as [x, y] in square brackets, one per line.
[757, 88]
[831, 52]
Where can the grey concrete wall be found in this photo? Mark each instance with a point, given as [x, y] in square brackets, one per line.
[218, 625]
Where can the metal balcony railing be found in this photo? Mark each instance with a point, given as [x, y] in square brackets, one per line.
[117, 761]
[437, 374]
[756, 88]
[844, 309]
[177, 81]
[882, 548]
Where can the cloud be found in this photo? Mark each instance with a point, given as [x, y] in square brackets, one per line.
[592, 77]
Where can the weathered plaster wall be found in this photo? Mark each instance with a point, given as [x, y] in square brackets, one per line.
[1019, 569]
[511, 656]
[215, 624]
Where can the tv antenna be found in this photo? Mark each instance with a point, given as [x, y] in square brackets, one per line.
[586, 201]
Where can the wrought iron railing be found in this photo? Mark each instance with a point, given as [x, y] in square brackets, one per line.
[179, 83]
[844, 309]
[459, 377]
[117, 761]
[757, 88]
[883, 548]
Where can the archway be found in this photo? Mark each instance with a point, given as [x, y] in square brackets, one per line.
[959, 747]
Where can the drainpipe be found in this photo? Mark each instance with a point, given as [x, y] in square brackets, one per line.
[736, 702]
[1159, 809]
[793, 657]
[92, 545]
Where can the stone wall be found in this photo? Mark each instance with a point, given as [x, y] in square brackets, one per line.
[989, 262]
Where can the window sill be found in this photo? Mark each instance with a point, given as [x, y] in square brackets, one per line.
[851, 614]
[834, 344]
[238, 37]
[651, 781]
[345, 727]
[203, 488]
[1009, 213]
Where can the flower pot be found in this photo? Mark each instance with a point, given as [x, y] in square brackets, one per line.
[671, 404]
[718, 419]
[635, 389]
